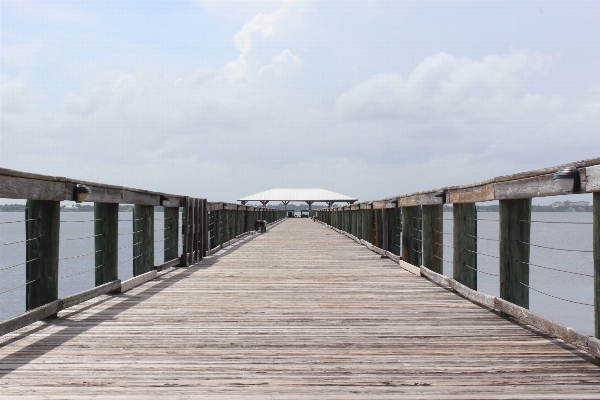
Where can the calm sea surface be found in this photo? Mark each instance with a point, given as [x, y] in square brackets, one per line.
[76, 254]
[77, 260]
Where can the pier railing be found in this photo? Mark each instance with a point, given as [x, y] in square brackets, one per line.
[409, 228]
[205, 228]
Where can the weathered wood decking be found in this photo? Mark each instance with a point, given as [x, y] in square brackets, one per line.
[299, 312]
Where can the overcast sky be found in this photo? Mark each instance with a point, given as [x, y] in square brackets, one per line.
[371, 99]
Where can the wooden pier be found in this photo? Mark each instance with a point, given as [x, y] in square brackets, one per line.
[298, 312]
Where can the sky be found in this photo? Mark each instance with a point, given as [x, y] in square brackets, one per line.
[223, 99]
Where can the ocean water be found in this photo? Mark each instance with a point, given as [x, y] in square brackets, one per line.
[76, 254]
[573, 233]
[77, 260]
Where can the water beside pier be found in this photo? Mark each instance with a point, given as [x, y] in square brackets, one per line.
[76, 267]
[79, 274]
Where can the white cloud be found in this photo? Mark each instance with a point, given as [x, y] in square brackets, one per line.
[444, 85]
[284, 63]
[263, 25]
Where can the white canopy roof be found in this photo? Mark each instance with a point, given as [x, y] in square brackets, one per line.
[313, 195]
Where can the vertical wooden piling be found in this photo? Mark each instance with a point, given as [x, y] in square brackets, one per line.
[411, 225]
[184, 231]
[361, 223]
[375, 236]
[192, 231]
[196, 241]
[385, 241]
[42, 229]
[249, 225]
[515, 232]
[210, 233]
[395, 230]
[143, 228]
[106, 242]
[171, 233]
[225, 225]
[597, 263]
[433, 225]
[216, 231]
[204, 227]
[465, 244]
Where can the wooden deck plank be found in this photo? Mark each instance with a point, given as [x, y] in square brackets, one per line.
[299, 312]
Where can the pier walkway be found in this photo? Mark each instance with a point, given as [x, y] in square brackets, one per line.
[298, 312]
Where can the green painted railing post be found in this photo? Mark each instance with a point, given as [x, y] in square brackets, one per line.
[515, 231]
[433, 226]
[185, 227]
[197, 232]
[143, 239]
[597, 263]
[171, 233]
[370, 226]
[411, 224]
[204, 227]
[465, 244]
[385, 234]
[106, 242]
[42, 229]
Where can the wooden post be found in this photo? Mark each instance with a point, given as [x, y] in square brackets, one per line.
[184, 231]
[515, 231]
[213, 240]
[396, 232]
[249, 225]
[194, 232]
[204, 228]
[385, 239]
[373, 225]
[354, 222]
[465, 244]
[597, 263]
[411, 224]
[224, 215]
[171, 233]
[143, 226]
[377, 240]
[106, 242]
[433, 225]
[196, 242]
[239, 218]
[218, 227]
[42, 229]
[191, 231]
[364, 224]
[210, 226]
